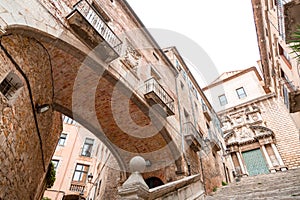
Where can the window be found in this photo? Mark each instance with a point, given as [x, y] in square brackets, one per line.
[10, 85]
[101, 12]
[223, 100]
[181, 85]
[285, 96]
[99, 187]
[87, 147]
[155, 74]
[80, 173]
[241, 92]
[156, 57]
[62, 139]
[55, 164]
[186, 115]
[285, 56]
[177, 65]
[68, 120]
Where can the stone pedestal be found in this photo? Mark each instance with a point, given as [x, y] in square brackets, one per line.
[135, 187]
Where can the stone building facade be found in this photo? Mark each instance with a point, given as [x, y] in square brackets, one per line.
[260, 135]
[275, 21]
[80, 161]
[94, 61]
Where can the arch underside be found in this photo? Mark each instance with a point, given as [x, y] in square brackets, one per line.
[85, 90]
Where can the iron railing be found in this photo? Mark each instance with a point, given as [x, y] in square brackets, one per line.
[190, 129]
[152, 85]
[77, 187]
[92, 16]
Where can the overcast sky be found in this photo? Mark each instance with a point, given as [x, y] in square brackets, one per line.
[224, 29]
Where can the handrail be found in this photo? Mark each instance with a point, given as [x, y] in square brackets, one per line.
[92, 16]
[190, 128]
[153, 85]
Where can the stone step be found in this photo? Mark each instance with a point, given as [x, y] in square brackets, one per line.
[281, 185]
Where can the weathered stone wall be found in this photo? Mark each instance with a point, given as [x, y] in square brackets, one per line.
[277, 118]
[34, 60]
[27, 145]
[213, 172]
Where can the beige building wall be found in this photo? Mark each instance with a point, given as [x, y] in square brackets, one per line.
[275, 22]
[69, 152]
[261, 123]
[249, 81]
[59, 61]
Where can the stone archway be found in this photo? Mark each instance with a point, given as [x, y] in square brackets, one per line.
[50, 67]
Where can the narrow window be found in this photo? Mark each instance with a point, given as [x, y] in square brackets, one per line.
[87, 147]
[156, 57]
[241, 93]
[181, 85]
[285, 56]
[101, 12]
[55, 164]
[186, 116]
[223, 100]
[177, 65]
[62, 139]
[10, 85]
[155, 74]
[99, 187]
[80, 173]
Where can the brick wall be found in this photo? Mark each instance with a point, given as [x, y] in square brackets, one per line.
[278, 119]
[24, 151]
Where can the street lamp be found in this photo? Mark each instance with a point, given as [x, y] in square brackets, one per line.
[42, 108]
[80, 195]
[90, 178]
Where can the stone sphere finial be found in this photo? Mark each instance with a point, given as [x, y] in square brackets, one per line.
[137, 164]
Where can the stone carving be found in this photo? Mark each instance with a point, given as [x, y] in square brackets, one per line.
[131, 58]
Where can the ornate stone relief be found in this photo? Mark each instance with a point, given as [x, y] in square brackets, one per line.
[131, 58]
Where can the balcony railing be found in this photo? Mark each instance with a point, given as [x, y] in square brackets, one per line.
[77, 187]
[214, 140]
[84, 17]
[192, 136]
[154, 91]
[206, 112]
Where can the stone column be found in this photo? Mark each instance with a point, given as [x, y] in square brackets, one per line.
[278, 157]
[270, 165]
[135, 187]
[240, 162]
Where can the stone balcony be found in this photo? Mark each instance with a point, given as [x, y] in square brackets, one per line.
[214, 141]
[206, 112]
[294, 100]
[77, 187]
[156, 94]
[92, 30]
[192, 136]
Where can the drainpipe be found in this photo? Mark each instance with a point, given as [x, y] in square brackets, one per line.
[180, 122]
[194, 116]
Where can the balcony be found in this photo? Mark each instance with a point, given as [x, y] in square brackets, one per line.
[192, 136]
[156, 94]
[214, 141]
[206, 112]
[91, 29]
[294, 100]
[77, 187]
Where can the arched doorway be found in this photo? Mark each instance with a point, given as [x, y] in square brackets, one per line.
[153, 182]
[73, 197]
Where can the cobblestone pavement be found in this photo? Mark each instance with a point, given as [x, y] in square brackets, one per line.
[280, 185]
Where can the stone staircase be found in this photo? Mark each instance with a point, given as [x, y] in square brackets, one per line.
[280, 185]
